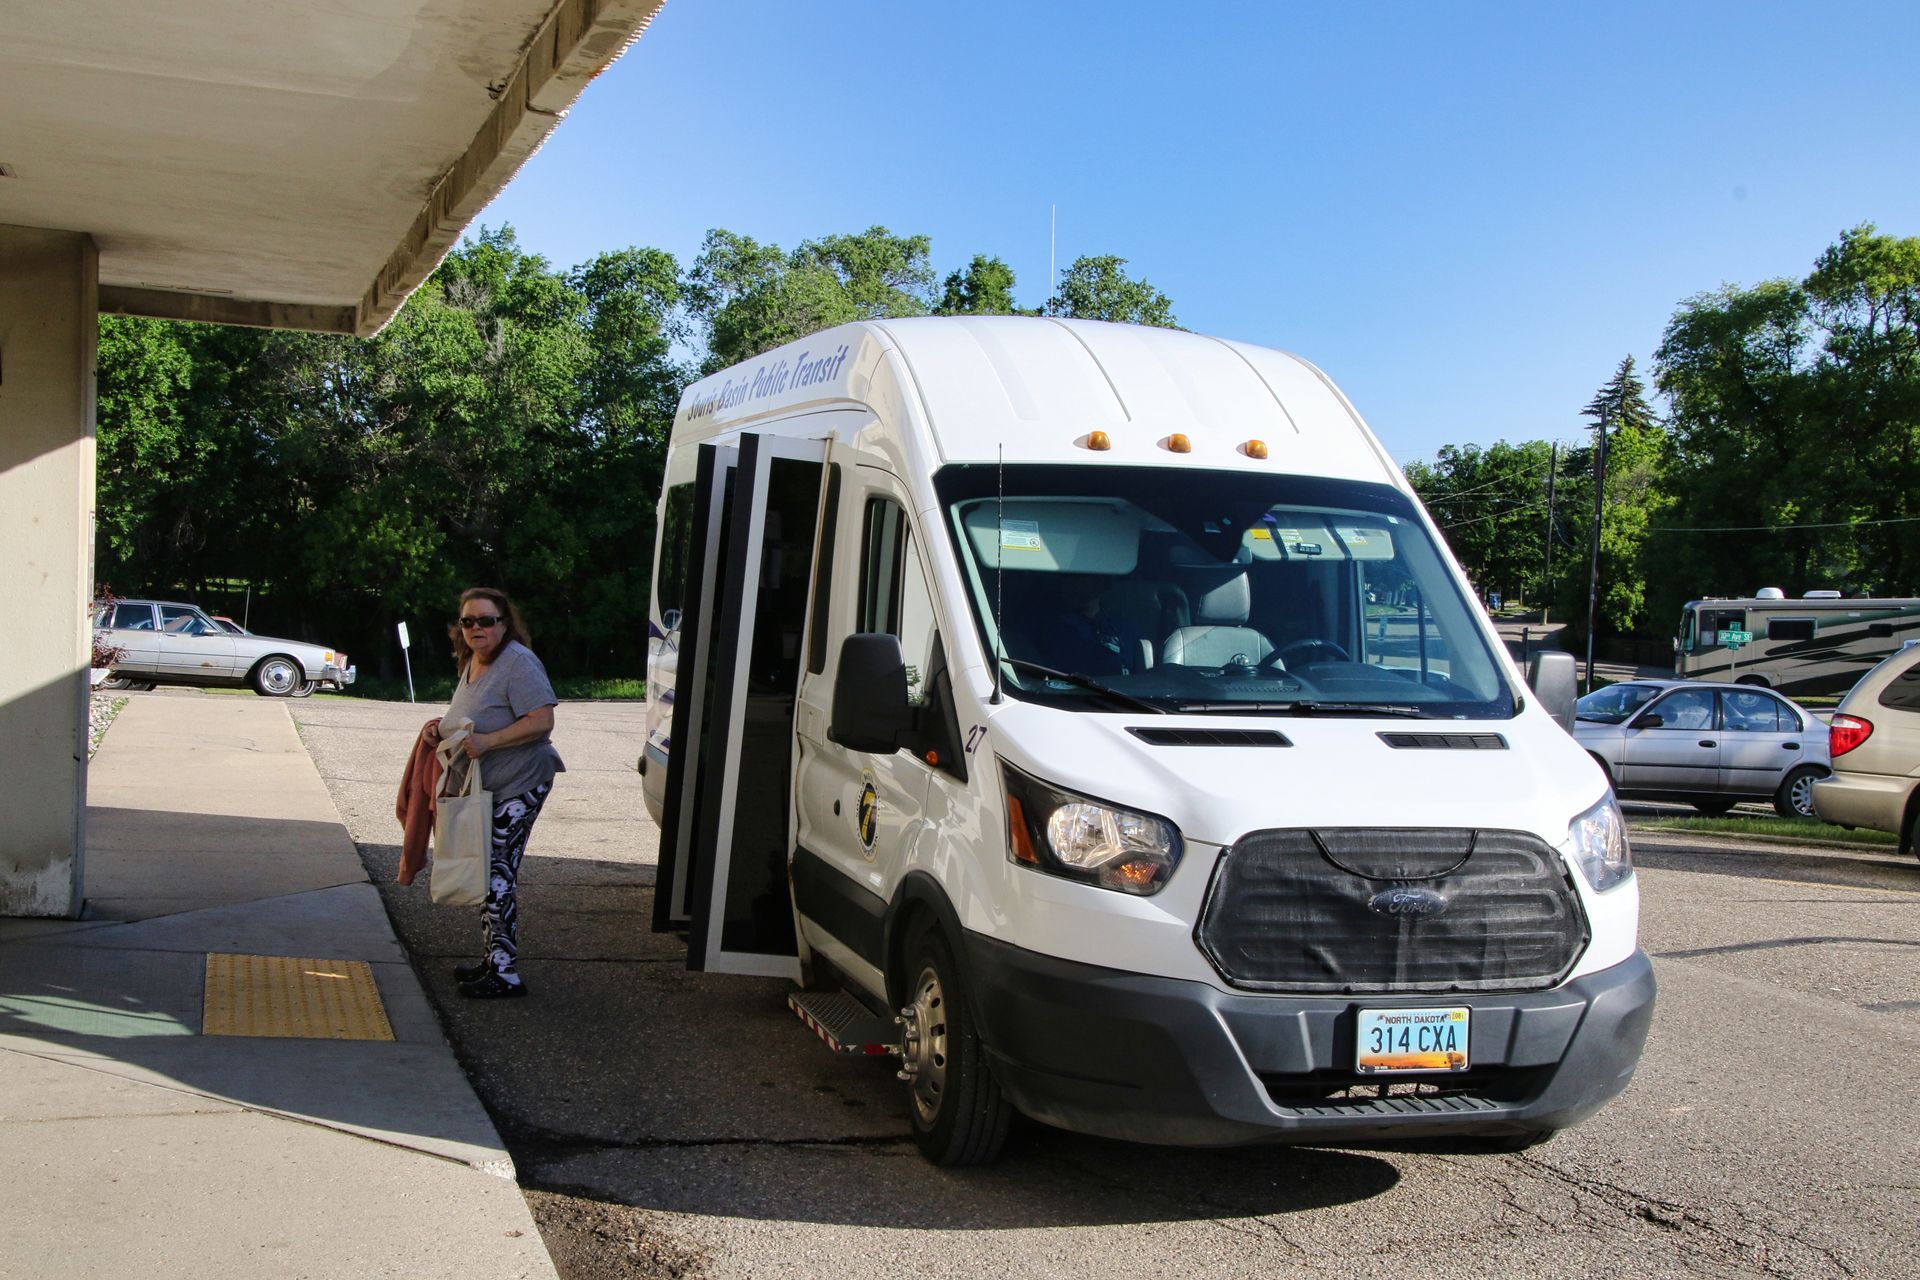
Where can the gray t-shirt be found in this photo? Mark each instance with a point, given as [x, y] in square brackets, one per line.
[514, 684]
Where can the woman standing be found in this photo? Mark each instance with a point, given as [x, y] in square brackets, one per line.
[503, 689]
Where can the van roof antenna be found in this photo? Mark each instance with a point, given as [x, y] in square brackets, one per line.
[999, 566]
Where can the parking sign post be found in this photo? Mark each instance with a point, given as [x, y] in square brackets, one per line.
[406, 657]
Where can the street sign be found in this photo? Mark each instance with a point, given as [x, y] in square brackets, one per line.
[405, 642]
[1734, 639]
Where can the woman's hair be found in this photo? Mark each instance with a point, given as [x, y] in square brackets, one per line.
[516, 629]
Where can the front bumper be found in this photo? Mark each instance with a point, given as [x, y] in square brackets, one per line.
[338, 677]
[1147, 1059]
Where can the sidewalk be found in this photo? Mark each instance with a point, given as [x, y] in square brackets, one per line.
[172, 1099]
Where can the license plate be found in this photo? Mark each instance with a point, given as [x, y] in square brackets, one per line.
[1411, 1040]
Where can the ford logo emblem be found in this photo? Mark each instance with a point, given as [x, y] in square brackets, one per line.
[1407, 902]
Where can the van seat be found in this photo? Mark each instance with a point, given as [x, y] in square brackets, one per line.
[1221, 601]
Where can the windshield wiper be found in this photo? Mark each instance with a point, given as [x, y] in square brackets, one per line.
[1085, 682]
[1308, 707]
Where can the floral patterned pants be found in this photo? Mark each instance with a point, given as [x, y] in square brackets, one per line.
[500, 915]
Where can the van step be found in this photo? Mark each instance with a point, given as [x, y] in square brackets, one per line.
[844, 1024]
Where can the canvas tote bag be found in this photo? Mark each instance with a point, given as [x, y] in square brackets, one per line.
[462, 829]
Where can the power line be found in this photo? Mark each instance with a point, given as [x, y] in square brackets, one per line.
[1783, 528]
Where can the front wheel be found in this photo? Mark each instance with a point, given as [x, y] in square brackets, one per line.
[118, 680]
[1794, 799]
[277, 677]
[958, 1112]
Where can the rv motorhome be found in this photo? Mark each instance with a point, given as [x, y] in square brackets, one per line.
[1091, 722]
[1820, 643]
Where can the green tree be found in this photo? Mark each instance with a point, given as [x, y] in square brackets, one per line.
[1095, 288]
[752, 298]
[984, 287]
[1636, 449]
[1491, 506]
[1796, 429]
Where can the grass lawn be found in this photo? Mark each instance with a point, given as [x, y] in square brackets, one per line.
[1801, 830]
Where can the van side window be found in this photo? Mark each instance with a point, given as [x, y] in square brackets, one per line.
[1903, 693]
[1789, 628]
[894, 596]
[676, 543]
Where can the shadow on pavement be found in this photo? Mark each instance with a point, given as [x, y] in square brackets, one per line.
[625, 1078]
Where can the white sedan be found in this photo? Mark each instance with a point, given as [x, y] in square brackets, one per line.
[165, 642]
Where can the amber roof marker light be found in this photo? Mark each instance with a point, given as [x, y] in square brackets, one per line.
[1098, 441]
[1177, 443]
[1255, 449]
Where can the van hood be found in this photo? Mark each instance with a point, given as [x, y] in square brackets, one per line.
[1524, 774]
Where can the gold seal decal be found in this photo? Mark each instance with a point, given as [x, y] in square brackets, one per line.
[869, 818]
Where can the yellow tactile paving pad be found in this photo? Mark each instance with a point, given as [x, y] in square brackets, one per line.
[284, 996]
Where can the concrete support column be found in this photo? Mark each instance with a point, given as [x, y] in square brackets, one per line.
[49, 309]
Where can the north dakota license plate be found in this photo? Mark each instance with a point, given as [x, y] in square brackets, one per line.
[1412, 1040]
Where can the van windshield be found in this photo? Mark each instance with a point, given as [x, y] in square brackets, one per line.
[1207, 591]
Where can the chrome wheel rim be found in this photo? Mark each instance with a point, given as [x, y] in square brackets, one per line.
[278, 677]
[926, 1049]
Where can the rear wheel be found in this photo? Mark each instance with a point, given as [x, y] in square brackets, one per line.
[277, 677]
[1713, 806]
[117, 680]
[958, 1113]
[1794, 799]
[1752, 680]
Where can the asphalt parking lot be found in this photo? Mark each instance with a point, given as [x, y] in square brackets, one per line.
[668, 1123]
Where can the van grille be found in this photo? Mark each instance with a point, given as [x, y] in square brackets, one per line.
[1392, 910]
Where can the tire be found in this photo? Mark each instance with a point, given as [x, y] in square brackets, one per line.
[958, 1113]
[116, 680]
[1753, 680]
[277, 676]
[1794, 799]
[304, 689]
[1713, 806]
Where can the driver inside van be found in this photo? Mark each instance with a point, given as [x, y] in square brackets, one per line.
[1075, 634]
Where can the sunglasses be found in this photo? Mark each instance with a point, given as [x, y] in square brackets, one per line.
[479, 620]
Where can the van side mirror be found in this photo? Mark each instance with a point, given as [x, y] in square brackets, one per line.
[1552, 677]
[870, 708]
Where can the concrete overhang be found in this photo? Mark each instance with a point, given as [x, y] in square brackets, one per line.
[299, 164]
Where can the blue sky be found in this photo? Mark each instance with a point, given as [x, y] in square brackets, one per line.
[1465, 214]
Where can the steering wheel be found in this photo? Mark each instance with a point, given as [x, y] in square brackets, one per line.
[1305, 652]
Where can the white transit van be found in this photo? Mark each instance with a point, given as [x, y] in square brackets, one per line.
[1090, 716]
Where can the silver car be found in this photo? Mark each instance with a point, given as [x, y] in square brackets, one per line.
[1704, 742]
[166, 642]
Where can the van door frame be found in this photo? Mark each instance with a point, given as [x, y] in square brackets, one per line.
[735, 612]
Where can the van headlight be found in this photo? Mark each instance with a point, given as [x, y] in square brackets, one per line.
[1080, 838]
[1599, 838]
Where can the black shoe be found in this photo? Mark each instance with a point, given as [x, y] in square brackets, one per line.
[468, 972]
[491, 986]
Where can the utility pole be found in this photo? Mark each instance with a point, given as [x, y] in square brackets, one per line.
[1593, 572]
[1553, 470]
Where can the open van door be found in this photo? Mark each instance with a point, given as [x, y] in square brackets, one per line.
[727, 826]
